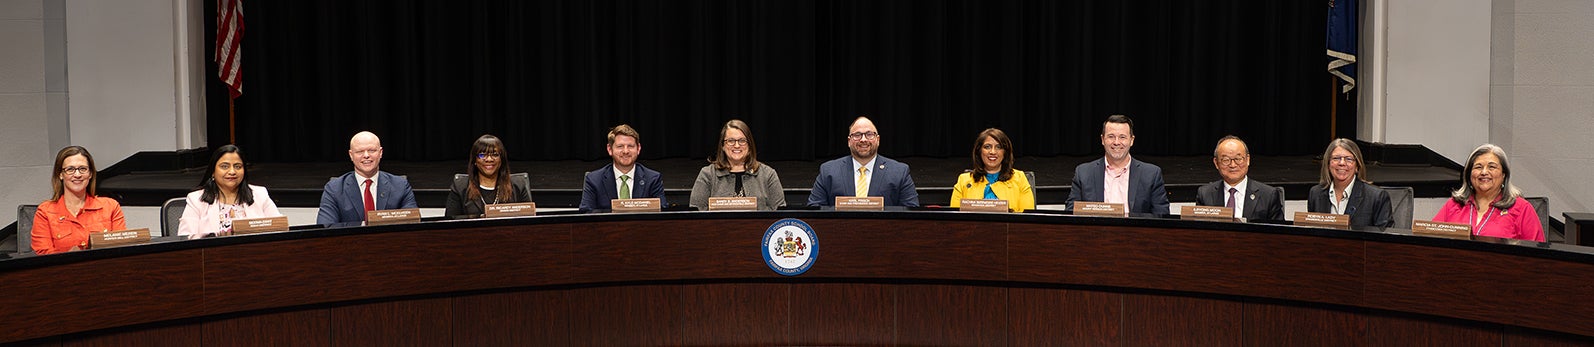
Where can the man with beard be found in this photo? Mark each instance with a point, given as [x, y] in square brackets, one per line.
[348, 197]
[864, 173]
[624, 178]
[1118, 178]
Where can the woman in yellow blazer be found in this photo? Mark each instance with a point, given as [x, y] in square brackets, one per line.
[991, 174]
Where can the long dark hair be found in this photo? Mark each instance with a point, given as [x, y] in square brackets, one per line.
[504, 188]
[60, 161]
[246, 196]
[977, 166]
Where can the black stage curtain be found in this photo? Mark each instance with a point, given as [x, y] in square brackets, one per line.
[549, 77]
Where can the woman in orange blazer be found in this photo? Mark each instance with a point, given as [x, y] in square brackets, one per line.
[991, 174]
[63, 223]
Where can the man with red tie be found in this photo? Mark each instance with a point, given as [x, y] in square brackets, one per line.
[348, 197]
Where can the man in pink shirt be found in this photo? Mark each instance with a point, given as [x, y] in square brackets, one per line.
[1117, 177]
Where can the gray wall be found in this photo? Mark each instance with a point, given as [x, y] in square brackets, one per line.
[33, 100]
[1541, 96]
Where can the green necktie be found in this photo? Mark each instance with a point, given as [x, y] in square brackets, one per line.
[625, 189]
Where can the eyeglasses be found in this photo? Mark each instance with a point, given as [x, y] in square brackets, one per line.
[75, 169]
[863, 135]
[1231, 160]
[735, 142]
[1343, 159]
[1492, 167]
[484, 155]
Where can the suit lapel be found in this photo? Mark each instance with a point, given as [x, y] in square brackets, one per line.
[1355, 199]
[608, 181]
[352, 186]
[1251, 190]
[875, 176]
[1129, 192]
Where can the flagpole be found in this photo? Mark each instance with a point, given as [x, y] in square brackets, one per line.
[232, 122]
[1333, 111]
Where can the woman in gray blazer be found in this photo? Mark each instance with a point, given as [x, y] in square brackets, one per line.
[735, 171]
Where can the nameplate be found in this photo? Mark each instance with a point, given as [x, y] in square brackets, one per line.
[1208, 213]
[108, 239]
[510, 210]
[1441, 229]
[983, 205]
[737, 203]
[634, 205]
[1324, 220]
[1102, 209]
[867, 203]
[397, 216]
[259, 225]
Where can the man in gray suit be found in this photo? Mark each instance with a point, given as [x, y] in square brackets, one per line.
[1118, 178]
[1250, 199]
[864, 173]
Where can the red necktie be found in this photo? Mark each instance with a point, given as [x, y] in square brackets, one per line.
[370, 204]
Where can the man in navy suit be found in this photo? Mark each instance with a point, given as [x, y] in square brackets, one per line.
[1250, 199]
[348, 197]
[624, 178]
[864, 173]
[1118, 178]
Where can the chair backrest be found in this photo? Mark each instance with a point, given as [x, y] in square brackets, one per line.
[25, 228]
[172, 215]
[1030, 175]
[1541, 205]
[1400, 206]
[522, 178]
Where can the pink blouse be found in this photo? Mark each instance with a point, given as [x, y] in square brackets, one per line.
[1518, 222]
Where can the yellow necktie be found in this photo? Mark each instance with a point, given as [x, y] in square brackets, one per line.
[863, 182]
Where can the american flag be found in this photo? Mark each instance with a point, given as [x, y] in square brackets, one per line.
[229, 54]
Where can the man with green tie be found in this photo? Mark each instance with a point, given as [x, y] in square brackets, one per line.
[624, 178]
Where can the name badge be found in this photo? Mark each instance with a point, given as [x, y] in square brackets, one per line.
[118, 238]
[1208, 213]
[510, 210]
[1323, 220]
[1100, 209]
[867, 203]
[1441, 229]
[634, 205]
[983, 205]
[396, 216]
[259, 225]
[737, 203]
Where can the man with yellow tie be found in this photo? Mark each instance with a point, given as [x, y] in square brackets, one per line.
[864, 173]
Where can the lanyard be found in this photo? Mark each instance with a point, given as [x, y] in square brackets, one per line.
[1487, 215]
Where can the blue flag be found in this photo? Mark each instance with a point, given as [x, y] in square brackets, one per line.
[1342, 41]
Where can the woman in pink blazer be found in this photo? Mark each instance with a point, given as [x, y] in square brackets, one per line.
[219, 201]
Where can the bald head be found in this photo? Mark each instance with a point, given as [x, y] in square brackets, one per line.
[365, 151]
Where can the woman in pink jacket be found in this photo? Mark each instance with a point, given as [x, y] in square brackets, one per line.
[1489, 202]
[220, 199]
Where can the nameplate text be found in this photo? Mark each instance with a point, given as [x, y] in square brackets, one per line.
[1102, 209]
[1208, 213]
[259, 225]
[510, 210]
[867, 203]
[396, 216]
[1441, 229]
[635, 205]
[983, 205]
[1324, 220]
[737, 203]
[117, 238]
